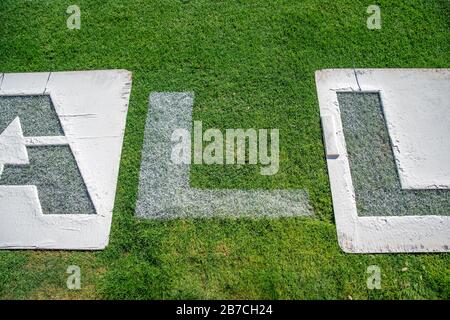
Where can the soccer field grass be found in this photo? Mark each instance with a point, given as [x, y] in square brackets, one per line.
[251, 64]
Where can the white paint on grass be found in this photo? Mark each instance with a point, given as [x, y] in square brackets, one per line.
[92, 108]
[164, 188]
[416, 107]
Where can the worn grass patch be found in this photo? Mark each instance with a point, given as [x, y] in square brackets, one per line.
[250, 64]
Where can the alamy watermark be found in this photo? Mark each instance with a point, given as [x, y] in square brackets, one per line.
[374, 20]
[74, 20]
[74, 280]
[374, 279]
[236, 146]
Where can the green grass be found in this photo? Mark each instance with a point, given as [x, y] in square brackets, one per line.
[250, 64]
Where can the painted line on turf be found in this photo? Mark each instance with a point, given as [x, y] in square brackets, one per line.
[164, 190]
